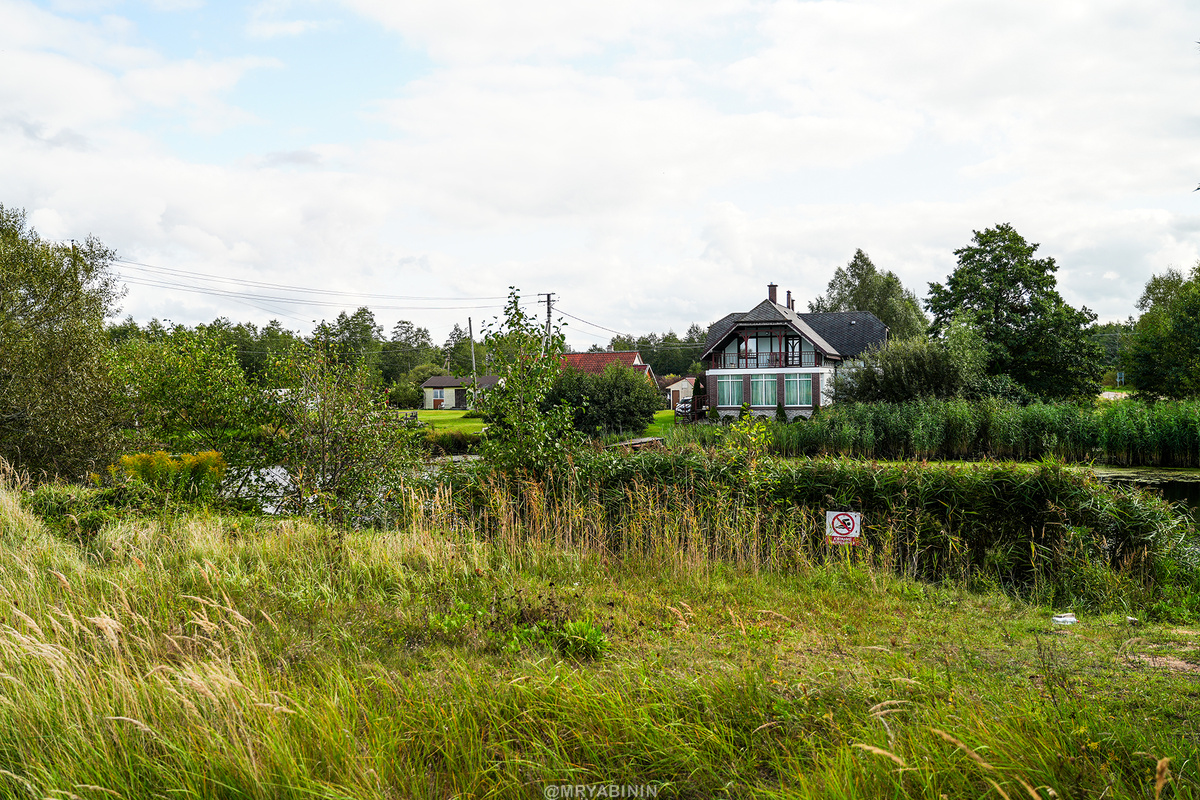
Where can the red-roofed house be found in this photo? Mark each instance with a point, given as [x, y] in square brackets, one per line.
[596, 363]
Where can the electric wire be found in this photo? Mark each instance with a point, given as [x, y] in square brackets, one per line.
[143, 267]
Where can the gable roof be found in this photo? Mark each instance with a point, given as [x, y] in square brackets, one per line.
[850, 332]
[451, 382]
[596, 363]
[837, 334]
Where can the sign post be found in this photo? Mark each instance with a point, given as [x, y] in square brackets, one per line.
[843, 527]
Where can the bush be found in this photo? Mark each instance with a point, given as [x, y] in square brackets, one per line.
[619, 401]
[450, 442]
[79, 512]
[343, 449]
[405, 395]
[195, 474]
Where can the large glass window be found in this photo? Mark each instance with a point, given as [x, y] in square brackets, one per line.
[729, 390]
[797, 390]
[763, 391]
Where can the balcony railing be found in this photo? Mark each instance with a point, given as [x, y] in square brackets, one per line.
[765, 360]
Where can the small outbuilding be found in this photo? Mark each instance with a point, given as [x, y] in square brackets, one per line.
[446, 391]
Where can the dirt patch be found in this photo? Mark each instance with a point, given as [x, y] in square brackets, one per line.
[1166, 662]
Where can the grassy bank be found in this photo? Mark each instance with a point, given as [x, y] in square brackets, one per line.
[191, 653]
[1043, 532]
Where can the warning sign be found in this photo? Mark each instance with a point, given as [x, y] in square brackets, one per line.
[842, 527]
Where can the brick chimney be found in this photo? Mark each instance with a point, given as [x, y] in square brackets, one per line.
[771, 293]
[789, 302]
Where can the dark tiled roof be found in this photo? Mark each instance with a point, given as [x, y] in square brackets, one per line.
[718, 330]
[850, 332]
[831, 333]
[450, 382]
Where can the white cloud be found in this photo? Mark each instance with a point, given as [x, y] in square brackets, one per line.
[653, 164]
[268, 21]
[175, 5]
[464, 31]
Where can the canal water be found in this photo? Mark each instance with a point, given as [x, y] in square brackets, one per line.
[1175, 485]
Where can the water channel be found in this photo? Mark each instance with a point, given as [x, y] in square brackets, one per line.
[1175, 485]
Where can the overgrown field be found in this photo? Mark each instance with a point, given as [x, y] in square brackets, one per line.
[1127, 432]
[510, 641]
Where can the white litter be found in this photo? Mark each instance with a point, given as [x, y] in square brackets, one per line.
[1063, 619]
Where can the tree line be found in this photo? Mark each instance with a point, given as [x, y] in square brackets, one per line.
[996, 327]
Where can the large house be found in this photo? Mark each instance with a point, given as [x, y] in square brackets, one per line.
[445, 391]
[772, 355]
[596, 363]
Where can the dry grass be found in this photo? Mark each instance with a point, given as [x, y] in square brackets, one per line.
[201, 655]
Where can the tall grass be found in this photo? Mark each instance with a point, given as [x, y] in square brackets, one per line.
[1041, 531]
[196, 655]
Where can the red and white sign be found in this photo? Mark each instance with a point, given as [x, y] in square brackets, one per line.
[843, 527]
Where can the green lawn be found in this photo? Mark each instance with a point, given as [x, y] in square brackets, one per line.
[663, 421]
[453, 420]
[450, 420]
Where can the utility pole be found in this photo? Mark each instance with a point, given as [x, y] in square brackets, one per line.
[549, 305]
[474, 377]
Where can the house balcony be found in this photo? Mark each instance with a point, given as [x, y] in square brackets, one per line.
[765, 360]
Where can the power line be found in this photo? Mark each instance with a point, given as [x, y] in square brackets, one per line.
[302, 301]
[659, 346]
[594, 325]
[284, 287]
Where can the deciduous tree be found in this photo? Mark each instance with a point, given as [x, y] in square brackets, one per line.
[524, 435]
[860, 286]
[57, 411]
[1032, 334]
[1161, 356]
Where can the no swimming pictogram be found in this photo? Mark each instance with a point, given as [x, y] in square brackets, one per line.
[842, 527]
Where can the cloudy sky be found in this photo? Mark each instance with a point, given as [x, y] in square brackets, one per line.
[653, 164]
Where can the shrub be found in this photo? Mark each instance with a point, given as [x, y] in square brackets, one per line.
[618, 401]
[196, 474]
[343, 450]
[450, 442]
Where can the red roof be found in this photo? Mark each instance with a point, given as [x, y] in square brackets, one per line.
[596, 363]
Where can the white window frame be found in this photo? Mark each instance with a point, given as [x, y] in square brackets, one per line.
[764, 389]
[729, 390]
[796, 388]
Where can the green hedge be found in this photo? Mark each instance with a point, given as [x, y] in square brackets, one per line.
[1044, 531]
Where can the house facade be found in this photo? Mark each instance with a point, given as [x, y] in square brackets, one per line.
[772, 355]
[444, 391]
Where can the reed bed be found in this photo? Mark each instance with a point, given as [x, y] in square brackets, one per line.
[1046, 533]
[1125, 432]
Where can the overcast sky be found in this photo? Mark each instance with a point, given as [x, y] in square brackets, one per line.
[653, 164]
